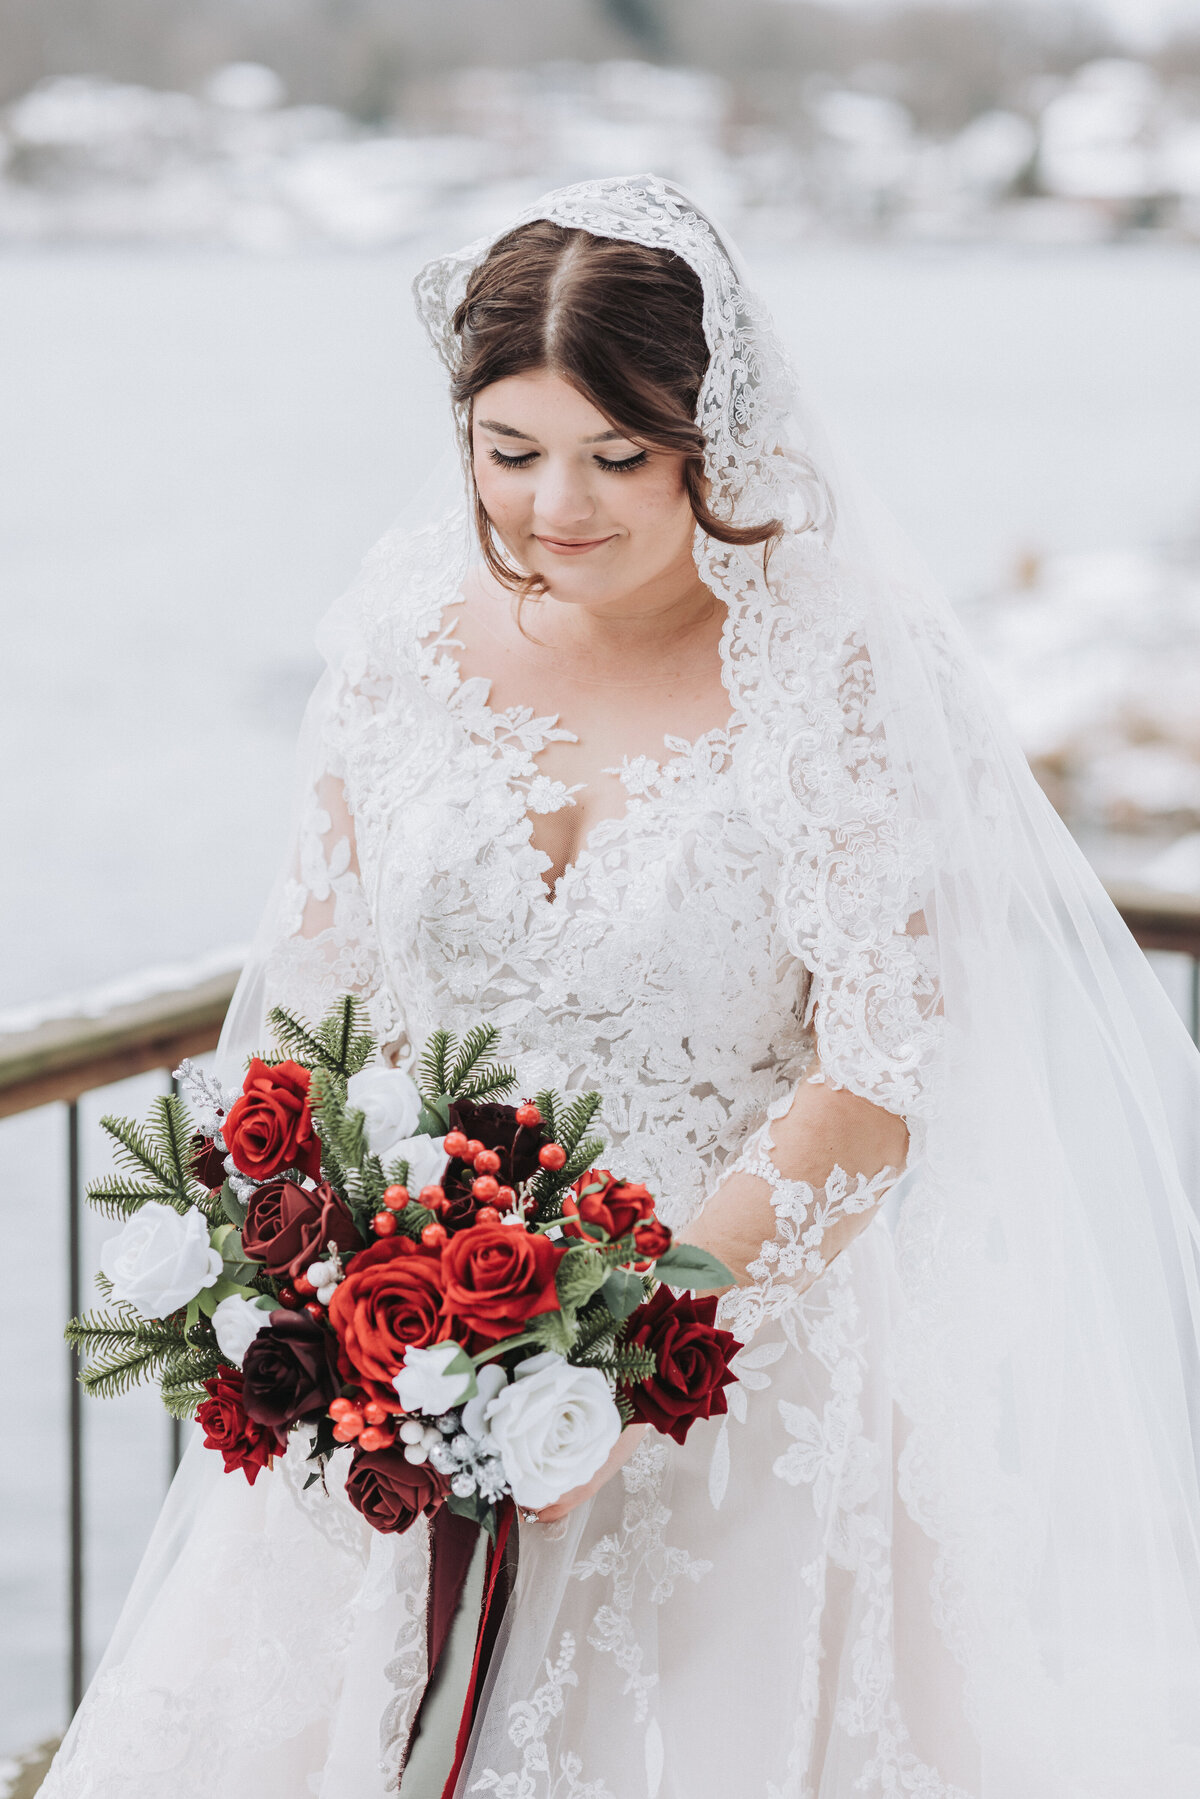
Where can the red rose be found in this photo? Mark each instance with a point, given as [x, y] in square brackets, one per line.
[390, 1492]
[693, 1359]
[270, 1127]
[652, 1239]
[288, 1371]
[389, 1299]
[243, 1443]
[289, 1227]
[599, 1198]
[498, 1276]
[208, 1162]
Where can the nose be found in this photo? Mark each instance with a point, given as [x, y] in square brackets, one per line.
[563, 500]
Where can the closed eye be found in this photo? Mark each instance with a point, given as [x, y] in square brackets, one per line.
[622, 467]
[503, 461]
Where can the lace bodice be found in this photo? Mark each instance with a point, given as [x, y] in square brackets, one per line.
[656, 971]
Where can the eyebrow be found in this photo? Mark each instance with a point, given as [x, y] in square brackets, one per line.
[601, 437]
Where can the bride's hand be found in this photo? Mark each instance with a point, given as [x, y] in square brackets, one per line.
[624, 1447]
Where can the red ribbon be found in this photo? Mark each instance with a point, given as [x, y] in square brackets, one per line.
[495, 1561]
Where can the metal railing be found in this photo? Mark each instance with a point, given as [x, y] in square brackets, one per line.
[59, 1061]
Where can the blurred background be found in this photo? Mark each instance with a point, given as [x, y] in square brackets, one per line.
[978, 224]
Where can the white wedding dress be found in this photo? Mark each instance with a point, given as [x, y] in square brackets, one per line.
[942, 1545]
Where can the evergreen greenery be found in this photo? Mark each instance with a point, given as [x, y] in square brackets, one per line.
[158, 1157]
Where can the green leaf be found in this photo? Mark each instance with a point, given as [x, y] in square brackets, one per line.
[234, 1208]
[472, 1505]
[622, 1292]
[434, 1119]
[686, 1265]
[226, 1287]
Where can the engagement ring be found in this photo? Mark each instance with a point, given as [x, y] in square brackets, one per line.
[528, 1517]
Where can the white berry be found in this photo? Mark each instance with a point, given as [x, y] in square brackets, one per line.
[415, 1452]
[412, 1431]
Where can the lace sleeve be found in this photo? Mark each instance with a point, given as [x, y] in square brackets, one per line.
[812, 1226]
[326, 941]
[318, 938]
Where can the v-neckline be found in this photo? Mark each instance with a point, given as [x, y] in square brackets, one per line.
[507, 733]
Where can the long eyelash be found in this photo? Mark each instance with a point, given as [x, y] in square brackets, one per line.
[621, 468]
[503, 461]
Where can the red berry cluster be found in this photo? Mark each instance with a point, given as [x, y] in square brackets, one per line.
[362, 1421]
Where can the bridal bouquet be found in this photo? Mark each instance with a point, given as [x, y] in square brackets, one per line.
[443, 1284]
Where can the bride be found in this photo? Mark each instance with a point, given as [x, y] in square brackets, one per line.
[659, 753]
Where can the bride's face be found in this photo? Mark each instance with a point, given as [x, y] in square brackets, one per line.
[599, 518]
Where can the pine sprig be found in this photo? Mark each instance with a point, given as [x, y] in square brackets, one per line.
[479, 1041]
[162, 1148]
[182, 1382]
[628, 1364]
[341, 1043]
[491, 1081]
[595, 1333]
[135, 1149]
[294, 1036]
[119, 1196]
[547, 1104]
[572, 1128]
[122, 1349]
[433, 1070]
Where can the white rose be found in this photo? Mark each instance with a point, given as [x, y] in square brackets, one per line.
[553, 1427]
[426, 1158]
[161, 1259]
[432, 1380]
[390, 1105]
[237, 1322]
[488, 1381]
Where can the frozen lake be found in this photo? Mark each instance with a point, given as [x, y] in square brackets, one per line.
[195, 451]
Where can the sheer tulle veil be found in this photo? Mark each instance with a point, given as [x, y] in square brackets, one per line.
[969, 973]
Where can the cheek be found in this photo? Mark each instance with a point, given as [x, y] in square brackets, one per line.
[505, 497]
[656, 503]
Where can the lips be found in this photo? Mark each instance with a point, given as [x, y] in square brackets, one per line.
[564, 546]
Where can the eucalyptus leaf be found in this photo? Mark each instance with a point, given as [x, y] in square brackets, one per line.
[233, 1208]
[434, 1118]
[622, 1292]
[685, 1265]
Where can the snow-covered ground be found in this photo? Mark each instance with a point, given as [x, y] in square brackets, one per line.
[198, 447]
[1072, 159]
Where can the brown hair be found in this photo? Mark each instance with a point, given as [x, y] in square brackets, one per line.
[623, 323]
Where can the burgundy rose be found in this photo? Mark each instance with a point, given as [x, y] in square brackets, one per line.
[270, 1127]
[288, 1371]
[391, 1297]
[390, 1492]
[693, 1359]
[495, 1126]
[243, 1442]
[289, 1227]
[598, 1197]
[208, 1162]
[498, 1276]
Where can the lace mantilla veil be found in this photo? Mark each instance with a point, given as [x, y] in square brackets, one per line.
[969, 973]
